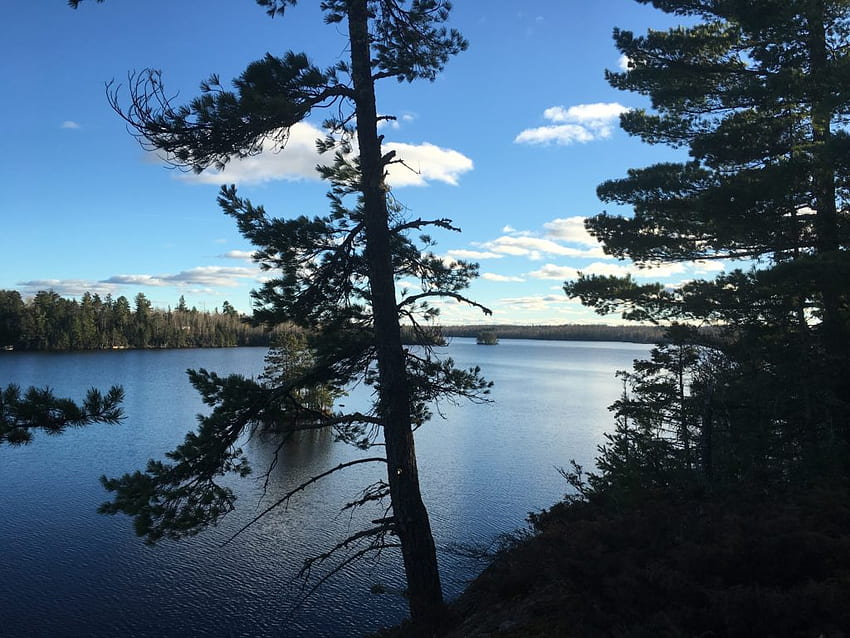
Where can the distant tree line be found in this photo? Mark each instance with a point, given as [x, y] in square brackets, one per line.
[566, 332]
[50, 322]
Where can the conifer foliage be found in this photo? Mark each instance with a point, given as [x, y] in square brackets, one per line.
[38, 410]
[757, 93]
[333, 274]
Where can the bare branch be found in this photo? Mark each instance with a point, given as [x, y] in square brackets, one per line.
[286, 497]
[412, 299]
[419, 223]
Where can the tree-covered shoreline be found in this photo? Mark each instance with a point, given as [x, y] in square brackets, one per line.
[562, 332]
[49, 322]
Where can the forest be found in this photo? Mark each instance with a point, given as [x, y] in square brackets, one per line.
[49, 323]
[563, 332]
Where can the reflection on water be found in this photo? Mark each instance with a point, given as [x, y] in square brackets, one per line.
[290, 452]
[66, 571]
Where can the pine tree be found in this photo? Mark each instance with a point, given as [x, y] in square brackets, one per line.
[289, 357]
[334, 275]
[38, 409]
[756, 91]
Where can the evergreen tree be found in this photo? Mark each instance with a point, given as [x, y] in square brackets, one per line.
[335, 274]
[228, 310]
[12, 313]
[756, 91]
[290, 357]
[21, 414]
[143, 331]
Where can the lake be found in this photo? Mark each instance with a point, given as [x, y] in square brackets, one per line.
[67, 571]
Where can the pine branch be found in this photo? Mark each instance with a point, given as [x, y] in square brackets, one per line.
[40, 409]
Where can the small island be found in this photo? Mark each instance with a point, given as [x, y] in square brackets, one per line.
[487, 338]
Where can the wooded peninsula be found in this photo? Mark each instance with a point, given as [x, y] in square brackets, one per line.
[49, 322]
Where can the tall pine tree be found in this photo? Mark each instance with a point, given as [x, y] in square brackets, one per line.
[757, 92]
[335, 275]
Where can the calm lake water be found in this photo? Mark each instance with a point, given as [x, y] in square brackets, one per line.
[67, 571]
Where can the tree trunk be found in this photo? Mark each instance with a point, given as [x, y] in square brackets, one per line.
[410, 516]
[834, 328]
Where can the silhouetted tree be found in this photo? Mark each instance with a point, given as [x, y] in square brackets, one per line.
[335, 274]
[755, 91]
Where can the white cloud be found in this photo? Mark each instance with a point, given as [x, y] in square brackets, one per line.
[246, 255]
[489, 276]
[551, 271]
[659, 271]
[575, 124]
[535, 247]
[136, 280]
[66, 287]
[607, 269]
[623, 62]
[298, 159]
[562, 135]
[425, 162]
[70, 124]
[199, 276]
[703, 267]
[472, 254]
[535, 303]
[570, 229]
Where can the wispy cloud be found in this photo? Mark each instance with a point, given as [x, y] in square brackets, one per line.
[207, 276]
[552, 271]
[537, 247]
[70, 124]
[534, 303]
[244, 255]
[575, 124]
[66, 287]
[490, 276]
[681, 270]
[472, 254]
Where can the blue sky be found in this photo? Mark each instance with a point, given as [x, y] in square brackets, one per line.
[510, 142]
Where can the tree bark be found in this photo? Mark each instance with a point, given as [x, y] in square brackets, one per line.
[410, 516]
[834, 329]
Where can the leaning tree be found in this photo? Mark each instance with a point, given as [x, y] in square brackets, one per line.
[334, 275]
[756, 91]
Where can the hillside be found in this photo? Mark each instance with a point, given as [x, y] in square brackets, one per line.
[672, 566]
